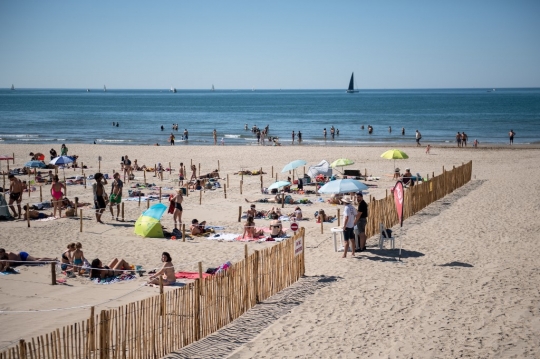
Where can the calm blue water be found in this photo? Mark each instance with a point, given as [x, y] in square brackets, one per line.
[75, 116]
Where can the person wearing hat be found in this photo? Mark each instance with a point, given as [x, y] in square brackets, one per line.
[396, 174]
[361, 220]
[349, 215]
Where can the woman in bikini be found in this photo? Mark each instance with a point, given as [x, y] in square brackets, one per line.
[177, 214]
[193, 172]
[114, 268]
[167, 271]
[66, 257]
[249, 229]
[57, 194]
[276, 229]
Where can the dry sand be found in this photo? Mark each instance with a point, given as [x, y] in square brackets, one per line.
[468, 285]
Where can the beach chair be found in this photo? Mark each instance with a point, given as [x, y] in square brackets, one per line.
[384, 236]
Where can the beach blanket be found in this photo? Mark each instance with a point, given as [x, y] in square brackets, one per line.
[225, 237]
[10, 271]
[111, 280]
[190, 275]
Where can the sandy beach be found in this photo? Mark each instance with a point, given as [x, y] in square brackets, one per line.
[467, 287]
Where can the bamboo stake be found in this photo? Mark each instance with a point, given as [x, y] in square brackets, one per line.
[200, 197]
[53, 273]
[80, 216]
[241, 183]
[159, 194]
[147, 203]
[28, 214]
[225, 191]
[239, 213]
[123, 220]
[183, 232]
[339, 218]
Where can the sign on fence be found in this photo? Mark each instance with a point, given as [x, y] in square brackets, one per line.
[298, 248]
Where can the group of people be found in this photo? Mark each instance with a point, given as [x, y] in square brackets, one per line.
[100, 195]
[333, 132]
[354, 220]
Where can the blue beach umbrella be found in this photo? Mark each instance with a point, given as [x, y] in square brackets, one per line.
[292, 165]
[279, 184]
[156, 211]
[35, 164]
[343, 186]
[61, 160]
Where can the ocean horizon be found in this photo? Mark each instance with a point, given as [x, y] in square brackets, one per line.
[77, 116]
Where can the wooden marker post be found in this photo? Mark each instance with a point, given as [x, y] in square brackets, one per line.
[7, 166]
[225, 190]
[82, 167]
[159, 194]
[122, 211]
[144, 172]
[322, 227]
[139, 199]
[365, 172]
[99, 164]
[261, 182]
[13, 159]
[199, 170]
[41, 193]
[283, 200]
[200, 271]
[147, 203]
[76, 205]
[276, 176]
[183, 232]
[28, 214]
[227, 180]
[218, 168]
[155, 170]
[239, 213]
[272, 171]
[53, 273]
[241, 184]
[339, 218]
[200, 197]
[80, 219]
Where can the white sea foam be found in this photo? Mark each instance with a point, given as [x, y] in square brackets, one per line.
[232, 136]
[17, 135]
[36, 139]
[104, 140]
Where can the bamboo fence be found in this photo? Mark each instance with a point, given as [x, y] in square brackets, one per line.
[157, 326]
[416, 198]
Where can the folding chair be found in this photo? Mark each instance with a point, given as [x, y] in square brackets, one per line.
[385, 237]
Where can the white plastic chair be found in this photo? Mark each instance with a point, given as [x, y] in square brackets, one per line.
[385, 237]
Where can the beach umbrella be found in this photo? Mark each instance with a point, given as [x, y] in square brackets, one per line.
[61, 160]
[279, 184]
[148, 224]
[341, 162]
[394, 155]
[35, 164]
[292, 165]
[343, 186]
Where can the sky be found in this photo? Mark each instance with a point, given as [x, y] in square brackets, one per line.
[269, 45]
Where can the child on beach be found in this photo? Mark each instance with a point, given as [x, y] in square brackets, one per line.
[78, 258]
[475, 143]
[427, 149]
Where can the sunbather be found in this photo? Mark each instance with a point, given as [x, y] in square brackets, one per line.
[297, 214]
[34, 214]
[167, 270]
[276, 229]
[114, 268]
[249, 229]
[196, 227]
[21, 257]
[323, 217]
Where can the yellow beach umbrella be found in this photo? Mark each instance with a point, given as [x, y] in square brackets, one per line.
[394, 155]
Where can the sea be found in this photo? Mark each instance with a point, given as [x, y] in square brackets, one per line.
[58, 116]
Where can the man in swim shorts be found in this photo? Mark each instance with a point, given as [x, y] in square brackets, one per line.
[116, 195]
[98, 189]
[15, 194]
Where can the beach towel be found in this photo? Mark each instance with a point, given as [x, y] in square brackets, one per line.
[190, 275]
[224, 237]
[111, 280]
[10, 271]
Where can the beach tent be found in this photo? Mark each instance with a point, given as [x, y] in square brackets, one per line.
[4, 210]
[323, 168]
[148, 224]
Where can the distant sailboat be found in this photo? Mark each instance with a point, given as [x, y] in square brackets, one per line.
[351, 85]
[104, 88]
[213, 88]
[12, 87]
[173, 90]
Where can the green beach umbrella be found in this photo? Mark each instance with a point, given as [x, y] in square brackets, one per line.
[148, 224]
[394, 155]
[341, 162]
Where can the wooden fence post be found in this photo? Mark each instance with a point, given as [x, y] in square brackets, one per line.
[241, 183]
[183, 232]
[41, 193]
[53, 273]
[123, 220]
[91, 330]
[197, 309]
[282, 199]
[27, 213]
[272, 171]
[200, 197]
[161, 299]
[139, 198]
[339, 218]
[159, 194]
[144, 173]
[239, 213]
[256, 275]
[225, 190]
[246, 277]
[199, 169]
[80, 219]
[22, 349]
[104, 335]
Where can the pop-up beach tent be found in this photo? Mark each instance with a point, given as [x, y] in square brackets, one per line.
[148, 224]
[4, 211]
[323, 168]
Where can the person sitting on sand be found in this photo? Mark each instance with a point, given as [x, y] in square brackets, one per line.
[322, 216]
[252, 212]
[4, 263]
[34, 214]
[335, 198]
[67, 257]
[272, 211]
[115, 268]
[78, 257]
[195, 185]
[297, 214]
[21, 257]
[196, 227]
[167, 270]
[396, 174]
[276, 229]
[249, 229]
[407, 177]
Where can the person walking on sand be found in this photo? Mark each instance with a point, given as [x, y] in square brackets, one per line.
[15, 194]
[177, 214]
[193, 172]
[63, 150]
[361, 220]
[511, 135]
[57, 194]
[100, 197]
[418, 138]
[116, 195]
[349, 216]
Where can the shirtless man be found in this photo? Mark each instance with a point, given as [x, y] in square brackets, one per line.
[34, 214]
[15, 194]
[196, 227]
[116, 195]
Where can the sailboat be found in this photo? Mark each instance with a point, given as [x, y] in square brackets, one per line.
[104, 88]
[213, 88]
[351, 85]
[12, 87]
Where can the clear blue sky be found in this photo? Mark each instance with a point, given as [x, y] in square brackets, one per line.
[269, 44]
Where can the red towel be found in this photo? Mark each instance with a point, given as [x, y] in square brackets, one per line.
[190, 275]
